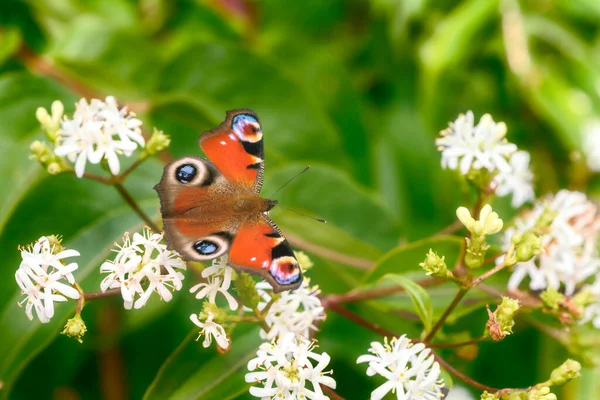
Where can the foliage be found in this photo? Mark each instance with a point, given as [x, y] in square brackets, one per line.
[357, 89]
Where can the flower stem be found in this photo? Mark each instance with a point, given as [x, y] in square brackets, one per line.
[466, 379]
[344, 312]
[99, 295]
[459, 296]
[486, 275]
[129, 200]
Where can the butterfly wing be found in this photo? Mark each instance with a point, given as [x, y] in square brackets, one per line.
[260, 248]
[236, 148]
[193, 196]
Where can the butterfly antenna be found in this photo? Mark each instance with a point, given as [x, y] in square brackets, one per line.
[304, 215]
[290, 181]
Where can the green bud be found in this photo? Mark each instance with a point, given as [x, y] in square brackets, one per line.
[246, 289]
[542, 393]
[505, 314]
[530, 246]
[54, 168]
[75, 328]
[489, 396]
[552, 298]
[584, 298]
[435, 265]
[570, 369]
[219, 316]
[304, 261]
[476, 249]
[546, 218]
[521, 395]
[51, 123]
[157, 142]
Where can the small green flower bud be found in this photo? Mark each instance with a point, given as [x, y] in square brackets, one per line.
[542, 393]
[51, 123]
[552, 298]
[435, 265]
[584, 298]
[157, 142]
[54, 168]
[505, 314]
[521, 395]
[304, 260]
[530, 246]
[209, 308]
[476, 249]
[489, 396]
[546, 218]
[75, 328]
[246, 289]
[570, 369]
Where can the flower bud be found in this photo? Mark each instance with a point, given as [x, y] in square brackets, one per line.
[542, 393]
[75, 328]
[304, 261]
[157, 142]
[435, 265]
[51, 123]
[505, 314]
[246, 289]
[489, 396]
[530, 246]
[552, 298]
[570, 369]
[584, 298]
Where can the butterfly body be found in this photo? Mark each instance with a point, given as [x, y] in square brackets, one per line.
[211, 208]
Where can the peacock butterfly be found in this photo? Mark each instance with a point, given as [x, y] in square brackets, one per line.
[211, 208]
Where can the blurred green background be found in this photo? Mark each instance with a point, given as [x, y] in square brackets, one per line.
[357, 89]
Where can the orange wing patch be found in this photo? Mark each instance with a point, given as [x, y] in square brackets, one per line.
[253, 246]
[236, 148]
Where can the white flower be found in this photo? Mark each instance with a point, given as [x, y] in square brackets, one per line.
[285, 367]
[591, 144]
[211, 330]
[295, 311]
[570, 254]
[143, 262]
[40, 274]
[218, 280]
[465, 146]
[410, 370]
[90, 135]
[518, 181]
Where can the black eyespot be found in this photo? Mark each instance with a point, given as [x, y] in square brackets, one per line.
[185, 173]
[205, 247]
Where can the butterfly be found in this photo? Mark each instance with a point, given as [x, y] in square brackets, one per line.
[212, 207]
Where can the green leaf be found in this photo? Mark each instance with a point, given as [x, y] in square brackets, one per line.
[419, 297]
[193, 372]
[406, 258]
[210, 76]
[332, 194]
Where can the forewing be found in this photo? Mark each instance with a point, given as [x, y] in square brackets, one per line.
[236, 148]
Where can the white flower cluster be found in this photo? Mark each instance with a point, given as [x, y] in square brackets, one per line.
[570, 253]
[143, 262]
[467, 146]
[41, 277]
[294, 311]
[218, 280]
[99, 130]
[410, 370]
[285, 367]
[211, 330]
